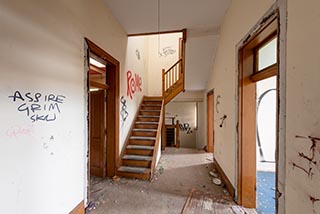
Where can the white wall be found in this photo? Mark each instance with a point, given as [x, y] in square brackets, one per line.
[184, 106]
[301, 83]
[303, 104]
[43, 167]
[185, 113]
[137, 63]
[240, 18]
[169, 48]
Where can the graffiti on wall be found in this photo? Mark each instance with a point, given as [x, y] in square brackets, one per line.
[123, 113]
[218, 103]
[185, 127]
[134, 84]
[308, 163]
[138, 54]
[166, 51]
[38, 107]
[20, 130]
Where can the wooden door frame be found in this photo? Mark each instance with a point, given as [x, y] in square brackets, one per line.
[112, 107]
[209, 147]
[246, 103]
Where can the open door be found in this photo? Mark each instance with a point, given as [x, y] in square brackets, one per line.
[210, 124]
[97, 133]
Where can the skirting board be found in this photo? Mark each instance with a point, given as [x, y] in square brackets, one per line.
[224, 178]
[79, 209]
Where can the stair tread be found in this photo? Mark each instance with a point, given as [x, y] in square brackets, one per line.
[145, 130]
[146, 122]
[157, 105]
[138, 170]
[137, 157]
[150, 110]
[152, 116]
[140, 147]
[142, 138]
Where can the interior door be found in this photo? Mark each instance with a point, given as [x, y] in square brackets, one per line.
[210, 124]
[97, 133]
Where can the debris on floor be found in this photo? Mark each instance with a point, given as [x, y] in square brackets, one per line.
[178, 171]
[206, 202]
[214, 174]
[217, 181]
[226, 192]
[161, 169]
[91, 206]
[115, 178]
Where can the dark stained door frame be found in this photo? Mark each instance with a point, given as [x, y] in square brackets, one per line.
[112, 107]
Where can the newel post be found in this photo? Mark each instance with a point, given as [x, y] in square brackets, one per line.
[163, 84]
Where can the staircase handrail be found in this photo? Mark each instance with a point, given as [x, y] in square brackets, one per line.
[157, 143]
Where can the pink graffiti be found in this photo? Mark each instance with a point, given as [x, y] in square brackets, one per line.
[134, 84]
[18, 130]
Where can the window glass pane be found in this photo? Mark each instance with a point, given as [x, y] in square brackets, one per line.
[267, 54]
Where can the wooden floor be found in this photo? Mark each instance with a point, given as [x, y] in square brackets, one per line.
[207, 203]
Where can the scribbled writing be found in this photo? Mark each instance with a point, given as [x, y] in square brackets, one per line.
[20, 130]
[134, 84]
[166, 51]
[38, 107]
[138, 54]
[123, 113]
[185, 127]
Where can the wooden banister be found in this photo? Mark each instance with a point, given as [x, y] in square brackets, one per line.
[173, 81]
[157, 143]
[173, 66]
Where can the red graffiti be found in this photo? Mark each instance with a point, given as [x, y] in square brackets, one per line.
[134, 84]
[16, 131]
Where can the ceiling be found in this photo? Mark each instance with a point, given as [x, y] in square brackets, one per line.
[201, 18]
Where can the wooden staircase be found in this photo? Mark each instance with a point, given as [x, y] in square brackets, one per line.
[173, 79]
[138, 158]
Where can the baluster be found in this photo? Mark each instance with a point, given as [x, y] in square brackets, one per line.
[172, 73]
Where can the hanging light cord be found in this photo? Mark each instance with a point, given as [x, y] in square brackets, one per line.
[159, 27]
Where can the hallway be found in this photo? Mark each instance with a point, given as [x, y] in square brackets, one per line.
[178, 172]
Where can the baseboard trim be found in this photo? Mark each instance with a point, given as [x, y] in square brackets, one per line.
[224, 178]
[79, 209]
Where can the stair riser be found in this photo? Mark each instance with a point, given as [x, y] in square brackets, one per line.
[151, 107]
[150, 102]
[152, 113]
[146, 126]
[148, 119]
[144, 134]
[134, 175]
[136, 163]
[139, 152]
[142, 142]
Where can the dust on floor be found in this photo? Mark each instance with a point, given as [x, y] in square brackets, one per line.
[178, 172]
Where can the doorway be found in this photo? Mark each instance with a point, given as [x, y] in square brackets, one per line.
[210, 121]
[266, 144]
[103, 117]
[258, 61]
